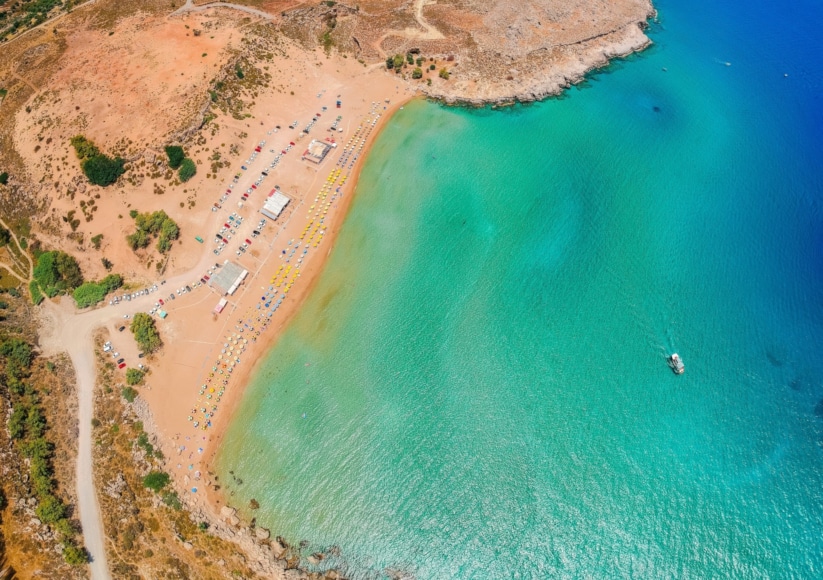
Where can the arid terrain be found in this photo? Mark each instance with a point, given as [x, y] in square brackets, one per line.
[218, 80]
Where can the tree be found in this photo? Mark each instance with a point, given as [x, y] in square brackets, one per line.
[156, 480]
[84, 148]
[50, 509]
[57, 272]
[45, 271]
[17, 422]
[175, 155]
[156, 224]
[187, 170]
[102, 170]
[134, 376]
[444, 74]
[417, 73]
[390, 62]
[398, 61]
[129, 394]
[73, 555]
[4, 178]
[145, 332]
[18, 353]
[5, 237]
[139, 239]
[69, 270]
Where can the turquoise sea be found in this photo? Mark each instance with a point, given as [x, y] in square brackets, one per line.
[482, 364]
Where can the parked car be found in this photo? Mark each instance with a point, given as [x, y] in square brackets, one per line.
[121, 361]
[121, 366]
[141, 354]
[122, 328]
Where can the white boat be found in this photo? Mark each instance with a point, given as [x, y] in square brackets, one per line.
[676, 364]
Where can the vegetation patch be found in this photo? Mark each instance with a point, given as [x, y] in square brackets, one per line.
[153, 225]
[145, 332]
[29, 432]
[176, 155]
[187, 170]
[99, 169]
[156, 481]
[134, 376]
[57, 272]
[91, 293]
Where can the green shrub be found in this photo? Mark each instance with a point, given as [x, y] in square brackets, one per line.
[417, 73]
[156, 480]
[50, 509]
[84, 148]
[156, 224]
[19, 355]
[172, 500]
[145, 332]
[102, 170]
[4, 178]
[17, 422]
[134, 376]
[444, 74]
[5, 237]
[73, 555]
[36, 295]
[187, 170]
[57, 272]
[129, 394]
[99, 169]
[91, 293]
[175, 155]
[96, 240]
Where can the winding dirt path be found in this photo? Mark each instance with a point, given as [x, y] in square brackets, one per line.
[189, 7]
[64, 329]
[429, 33]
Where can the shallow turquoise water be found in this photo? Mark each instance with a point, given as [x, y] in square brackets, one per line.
[482, 364]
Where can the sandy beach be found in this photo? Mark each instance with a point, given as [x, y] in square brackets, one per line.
[191, 390]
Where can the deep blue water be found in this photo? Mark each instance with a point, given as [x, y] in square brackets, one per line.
[487, 395]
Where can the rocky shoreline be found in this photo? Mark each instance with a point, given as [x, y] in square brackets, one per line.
[547, 82]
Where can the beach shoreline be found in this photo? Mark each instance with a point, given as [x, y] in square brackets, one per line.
[217, 499]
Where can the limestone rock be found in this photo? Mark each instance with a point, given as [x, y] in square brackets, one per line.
[278, 548]
[227, 512]
[262, 533]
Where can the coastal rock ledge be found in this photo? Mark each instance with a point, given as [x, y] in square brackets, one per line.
[492, 51]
